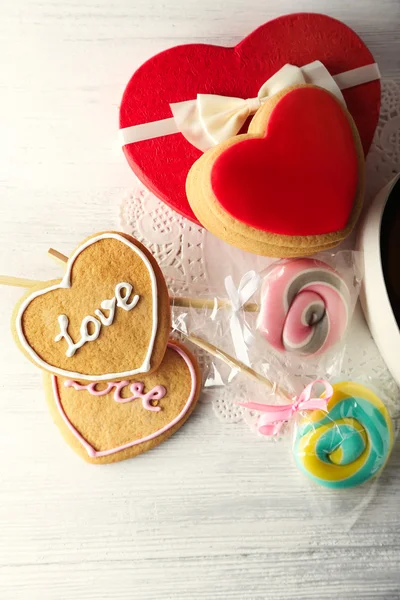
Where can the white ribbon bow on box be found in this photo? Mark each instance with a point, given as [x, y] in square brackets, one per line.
[240, 331]
[211, 119]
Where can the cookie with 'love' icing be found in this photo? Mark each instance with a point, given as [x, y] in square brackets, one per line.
[106, 422]
[108, 318]
[290, 187]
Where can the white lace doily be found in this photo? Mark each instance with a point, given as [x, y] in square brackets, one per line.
[187, 253]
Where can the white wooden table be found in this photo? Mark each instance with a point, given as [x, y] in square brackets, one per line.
[215, 513]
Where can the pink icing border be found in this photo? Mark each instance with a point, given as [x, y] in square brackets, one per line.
[94, 453]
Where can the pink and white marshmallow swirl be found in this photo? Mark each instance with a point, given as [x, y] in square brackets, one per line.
[305, 306]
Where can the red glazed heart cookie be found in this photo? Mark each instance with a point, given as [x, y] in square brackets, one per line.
[108, 318]
[182, 72]
[290, 187]
[109, 422]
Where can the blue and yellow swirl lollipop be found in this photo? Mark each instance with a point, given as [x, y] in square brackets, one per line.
[348, 445]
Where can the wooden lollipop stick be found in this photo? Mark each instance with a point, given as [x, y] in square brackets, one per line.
[27, 283]
[183, 301]
[237, 364]
[58, 256]
[18, 281]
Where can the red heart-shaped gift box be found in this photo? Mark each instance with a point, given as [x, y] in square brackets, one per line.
[182, 72]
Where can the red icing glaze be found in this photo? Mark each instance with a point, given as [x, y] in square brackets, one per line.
[301, 179]
[182, 72]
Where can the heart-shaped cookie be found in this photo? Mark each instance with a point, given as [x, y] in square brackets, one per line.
[109, 422]
[290, 187]
[108, 318]
[182, 72]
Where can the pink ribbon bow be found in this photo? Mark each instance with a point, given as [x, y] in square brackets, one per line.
[274, 416]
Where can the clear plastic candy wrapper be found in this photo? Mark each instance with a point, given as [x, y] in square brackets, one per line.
[342, 448]
[338, 438]
[276, 340]
[292, 317]
[306, 306]
[347, 440]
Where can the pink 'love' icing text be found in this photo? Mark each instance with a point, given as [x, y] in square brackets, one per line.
[136, 388]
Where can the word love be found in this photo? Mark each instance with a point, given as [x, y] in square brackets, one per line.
[136, 389]
[122, 293]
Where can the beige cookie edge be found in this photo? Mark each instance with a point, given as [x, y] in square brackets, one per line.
[15, 314]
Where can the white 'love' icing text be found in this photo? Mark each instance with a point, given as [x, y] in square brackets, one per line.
[110, 305]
